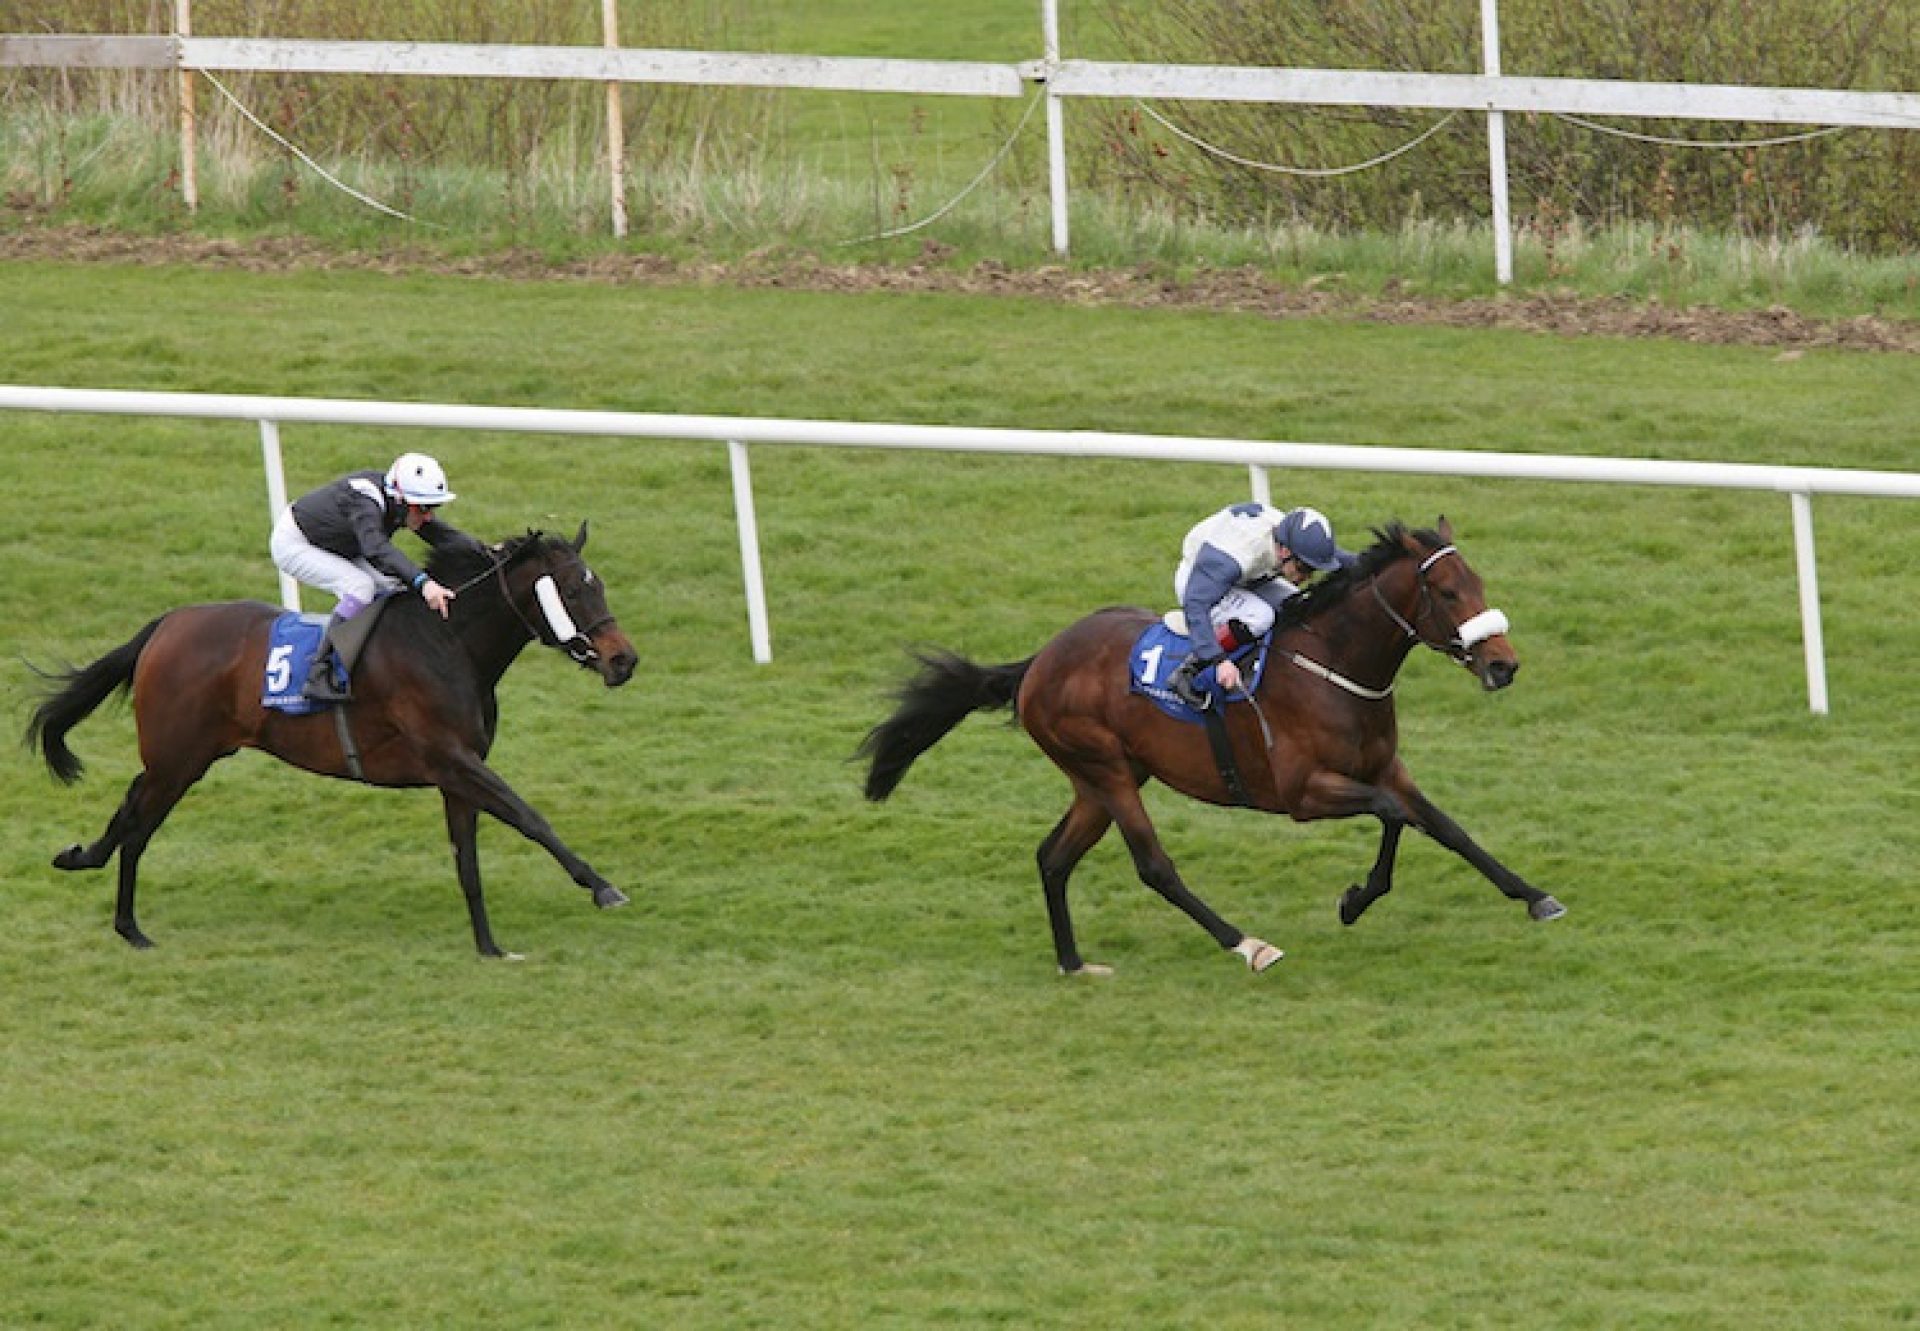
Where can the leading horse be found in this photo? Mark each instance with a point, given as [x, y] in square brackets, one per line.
[423, 711]
[1317, 739]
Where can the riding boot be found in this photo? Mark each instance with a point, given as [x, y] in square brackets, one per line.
[346, 635]
[1182, 685]
[320, 686]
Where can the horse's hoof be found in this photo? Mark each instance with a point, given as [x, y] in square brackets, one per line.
[1351, 904]
[1087, 968]
[1259, 954]
[135, 938]
[606, 898]
[1546, 908]
[70, 857]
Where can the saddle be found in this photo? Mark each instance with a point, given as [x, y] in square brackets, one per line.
[296, 638]
[1159, 649]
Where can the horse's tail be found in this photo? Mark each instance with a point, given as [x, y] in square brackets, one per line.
[947, 690]
[73, 698]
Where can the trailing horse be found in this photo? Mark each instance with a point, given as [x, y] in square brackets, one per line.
[1317, 739]
[423, 711]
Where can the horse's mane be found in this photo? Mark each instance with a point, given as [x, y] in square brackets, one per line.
[1388, 545]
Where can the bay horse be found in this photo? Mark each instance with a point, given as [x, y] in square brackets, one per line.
[423, 711]
[1318, 739]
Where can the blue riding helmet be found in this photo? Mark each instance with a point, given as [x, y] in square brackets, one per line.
[1307, 533]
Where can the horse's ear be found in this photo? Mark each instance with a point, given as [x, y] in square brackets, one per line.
[580, 540]
[1445, 529]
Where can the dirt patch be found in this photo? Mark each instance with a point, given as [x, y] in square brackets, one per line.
[1246, 290]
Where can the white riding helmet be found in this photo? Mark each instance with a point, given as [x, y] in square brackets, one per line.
[418, 479]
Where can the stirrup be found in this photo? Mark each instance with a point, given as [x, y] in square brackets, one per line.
[1182, 686]
[320, 688]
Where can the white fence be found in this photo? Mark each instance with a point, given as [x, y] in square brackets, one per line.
[1799, 484]
[1490, 92]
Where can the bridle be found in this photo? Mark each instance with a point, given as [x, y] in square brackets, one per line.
[1459, 647]
[1466, 635]
[560, 629]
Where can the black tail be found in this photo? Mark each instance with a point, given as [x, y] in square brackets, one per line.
[79, 691]
[947, 690]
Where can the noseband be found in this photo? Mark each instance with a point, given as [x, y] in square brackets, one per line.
[1488, 623]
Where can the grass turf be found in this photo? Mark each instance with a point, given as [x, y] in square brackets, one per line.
[821, 1073]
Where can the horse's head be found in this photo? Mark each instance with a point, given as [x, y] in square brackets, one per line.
[1450, 613]
[565, 604]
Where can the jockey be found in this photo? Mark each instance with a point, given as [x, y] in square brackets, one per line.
[335, 538]
[1236, 569]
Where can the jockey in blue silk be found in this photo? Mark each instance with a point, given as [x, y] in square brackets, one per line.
[336, 538]
[1237, 567]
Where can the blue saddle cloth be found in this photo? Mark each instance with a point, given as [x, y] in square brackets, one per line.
[1158, 650]
[290, 648]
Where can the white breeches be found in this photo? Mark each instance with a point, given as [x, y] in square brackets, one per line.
[1244, 606]
[299, 558]
[1238, 603]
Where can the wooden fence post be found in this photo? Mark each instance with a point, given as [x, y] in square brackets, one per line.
[189, 153]
[616, 129]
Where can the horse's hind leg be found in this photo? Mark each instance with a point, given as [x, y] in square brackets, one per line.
[1155, 867]
[78, 856]
[148, 802]
[1086, 821]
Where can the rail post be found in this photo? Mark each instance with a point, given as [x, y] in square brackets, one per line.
[1809, 577]
[1056, 126]
[1497, 147]
[749, 525]
[277, 501]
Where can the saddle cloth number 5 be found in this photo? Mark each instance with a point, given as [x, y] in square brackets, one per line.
[280, 668]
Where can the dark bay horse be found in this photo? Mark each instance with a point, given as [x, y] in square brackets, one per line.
[1318, 739]
[423, 710]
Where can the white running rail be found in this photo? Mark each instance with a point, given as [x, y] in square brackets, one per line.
[1799, 484]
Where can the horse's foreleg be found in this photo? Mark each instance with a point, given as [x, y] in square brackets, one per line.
[1355, 900]
[463, 821]
[1084, 824]
[1151, 862]
[1328, 794]
[466, 778]
[1448, 833]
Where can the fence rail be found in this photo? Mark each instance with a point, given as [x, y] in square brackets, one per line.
[1489, 92]
[1800, 484]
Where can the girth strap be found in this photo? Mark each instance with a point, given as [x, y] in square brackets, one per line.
[347, 746]
[1216, 724]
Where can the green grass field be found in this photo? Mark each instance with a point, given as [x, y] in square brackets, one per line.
[821, 1073]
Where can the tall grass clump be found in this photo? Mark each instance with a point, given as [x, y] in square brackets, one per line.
[720, 173]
